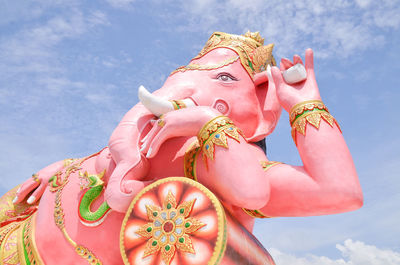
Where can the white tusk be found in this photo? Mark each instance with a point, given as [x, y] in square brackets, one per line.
[154, 104]
[188, 102]
[295, 74]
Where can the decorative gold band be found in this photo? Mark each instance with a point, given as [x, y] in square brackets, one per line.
[35, 178]
[207, 66]
[178, 104]
[215, 132]
[32, 252]
[161, 122]
[211, 127]
[302, 107]
[255, 213]
[17, 243]
[310, 111]
[189, 164]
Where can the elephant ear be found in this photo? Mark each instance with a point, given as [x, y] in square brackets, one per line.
[269, 106]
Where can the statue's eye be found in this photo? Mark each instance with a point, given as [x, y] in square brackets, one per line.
[226, 77]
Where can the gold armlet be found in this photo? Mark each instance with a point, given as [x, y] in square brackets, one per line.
[215, 132]
[255, 213]
[310, 111]
[189, 160]
[178, 104]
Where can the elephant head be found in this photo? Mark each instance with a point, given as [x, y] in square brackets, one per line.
[229, 74]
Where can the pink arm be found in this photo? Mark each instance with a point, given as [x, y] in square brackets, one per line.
[326, 184]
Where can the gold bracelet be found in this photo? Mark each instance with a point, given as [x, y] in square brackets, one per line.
[215, 132]
[35, 178]
[310, 111]
[305, 106]
[178, 104]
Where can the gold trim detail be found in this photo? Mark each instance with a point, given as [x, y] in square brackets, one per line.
[69, 161]
[307, 105]
[206, 67]
[268, 164]
[215, 132]
[255, 213]
[9, 253]
[310, 111]
[161, 122]
[254, 57]
[35, 178]
[221, 242]
[59, 212]
[178, 104]
[169, 228]
[189, 160]
[29, 241]
[17, 243]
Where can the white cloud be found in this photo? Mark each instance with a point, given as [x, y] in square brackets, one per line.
[363, 3]
[33, 49]
[352, 252]
[333, 28]
[120, 3]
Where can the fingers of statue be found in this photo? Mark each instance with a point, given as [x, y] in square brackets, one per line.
[309, 60]
[37, 194]
[149, 138]
[285, 64]
[152, 122]
[277, 76]
[27, 187]
[157, 138]
[168, 130]
[297, 59]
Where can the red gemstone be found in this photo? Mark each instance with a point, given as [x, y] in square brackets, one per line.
[168, 226]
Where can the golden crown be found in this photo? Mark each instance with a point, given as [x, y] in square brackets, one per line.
[254, 56]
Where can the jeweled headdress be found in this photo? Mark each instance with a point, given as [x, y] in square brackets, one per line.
[254, 56]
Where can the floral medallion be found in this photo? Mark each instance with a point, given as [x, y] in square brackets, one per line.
[169, 228]
[174, 221]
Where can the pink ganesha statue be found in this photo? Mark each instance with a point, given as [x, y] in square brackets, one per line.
[185, 174]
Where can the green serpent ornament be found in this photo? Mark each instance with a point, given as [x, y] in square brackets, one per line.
[95, 186]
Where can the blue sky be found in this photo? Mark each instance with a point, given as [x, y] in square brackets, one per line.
[69, 70]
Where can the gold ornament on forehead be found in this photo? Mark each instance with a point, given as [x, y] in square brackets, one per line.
[254, 55]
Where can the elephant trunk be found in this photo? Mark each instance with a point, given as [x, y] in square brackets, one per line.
[124, 145]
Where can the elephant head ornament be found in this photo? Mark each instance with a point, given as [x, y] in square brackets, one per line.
[229, 75]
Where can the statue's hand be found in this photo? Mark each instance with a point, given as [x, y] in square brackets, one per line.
[36, 184]
[182, 122]
[290, 95]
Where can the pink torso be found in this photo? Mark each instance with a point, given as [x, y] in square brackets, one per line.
[103, 240]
